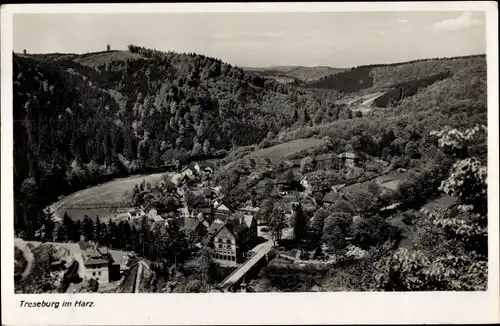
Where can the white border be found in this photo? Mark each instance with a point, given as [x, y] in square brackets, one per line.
[255, 308]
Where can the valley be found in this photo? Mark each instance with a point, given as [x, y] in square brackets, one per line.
[178, 172]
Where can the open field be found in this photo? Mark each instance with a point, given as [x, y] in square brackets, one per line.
[276, 153]
[107, 193]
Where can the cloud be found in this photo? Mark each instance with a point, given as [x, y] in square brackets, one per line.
[402, 21]
[462, 22]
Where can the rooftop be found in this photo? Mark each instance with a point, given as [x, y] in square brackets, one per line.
[444, 201]
[349, 155]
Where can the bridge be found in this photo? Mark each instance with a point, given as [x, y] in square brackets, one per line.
[235, 277]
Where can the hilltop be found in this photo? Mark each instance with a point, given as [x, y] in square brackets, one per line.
[297, 74]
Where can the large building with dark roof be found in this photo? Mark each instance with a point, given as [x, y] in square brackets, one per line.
[229, 238]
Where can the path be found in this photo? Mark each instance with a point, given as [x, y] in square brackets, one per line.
[259, 252]
[138, 278]
[28, 255]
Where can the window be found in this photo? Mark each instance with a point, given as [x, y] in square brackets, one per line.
[93, 273]
[228, 241]
[99, 273]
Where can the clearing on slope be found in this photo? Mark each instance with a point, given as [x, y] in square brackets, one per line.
[101, 58]
[278, 152]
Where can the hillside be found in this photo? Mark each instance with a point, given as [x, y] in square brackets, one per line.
[83, 119]
[457, 99]
[408, 75]
[298, 73]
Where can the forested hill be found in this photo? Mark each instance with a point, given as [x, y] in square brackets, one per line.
[386, 76]
[82, 118]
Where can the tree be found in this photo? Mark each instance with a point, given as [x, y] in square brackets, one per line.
[99, 234]
[364, 201]
[336, 229]
[197, 149]
[289, 176]
[24, 51]
[207, 148]
[318, 222]
[60, 233]
[265, 143]
[265, 211]
[277, 222]
[88, 228]
[370, 231]
[467, 268]
[108, 47]
[306, 165]
[411, 150]
[299, 219]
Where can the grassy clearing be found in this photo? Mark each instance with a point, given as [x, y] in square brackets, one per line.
[107, 193]
[276, 153]
[99, 59]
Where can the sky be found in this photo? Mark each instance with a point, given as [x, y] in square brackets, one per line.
[336, 39]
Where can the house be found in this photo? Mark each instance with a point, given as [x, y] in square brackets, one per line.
[220, 210]
[251, 223]
[204, 208]
[443, 202]
[325, 161]
[249, 210]
[229, 242]
[347, 159]
[96, 264]
[135, 213]
[314, 182]
[288, 181]
[331, 197]
[192, 225]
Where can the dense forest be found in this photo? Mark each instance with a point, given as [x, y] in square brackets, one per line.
[78, 123]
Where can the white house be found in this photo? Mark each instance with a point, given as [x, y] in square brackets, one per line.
[96, 264]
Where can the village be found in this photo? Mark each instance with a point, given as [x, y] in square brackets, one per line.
[240, 238]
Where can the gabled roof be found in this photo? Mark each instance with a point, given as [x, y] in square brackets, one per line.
[249, 219]
[214, 228]
[349, 155]
[190, 224]
[444, 201]
[158, 218]
[236, 228]
[327, 156]
[95, 261]
[222, 207]
[91, 255]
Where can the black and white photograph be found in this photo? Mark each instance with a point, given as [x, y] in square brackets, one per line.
[249, 152]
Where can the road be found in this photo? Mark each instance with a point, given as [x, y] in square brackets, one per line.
[28, 255]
